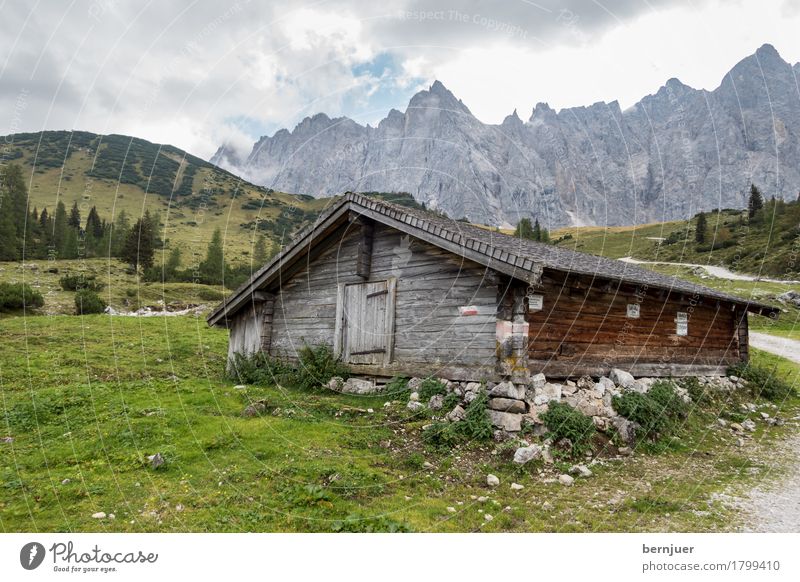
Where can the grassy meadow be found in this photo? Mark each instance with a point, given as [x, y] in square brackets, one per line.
[85, 400]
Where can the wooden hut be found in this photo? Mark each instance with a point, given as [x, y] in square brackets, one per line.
[401, 291]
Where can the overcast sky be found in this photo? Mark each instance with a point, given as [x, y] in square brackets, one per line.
[195, 74]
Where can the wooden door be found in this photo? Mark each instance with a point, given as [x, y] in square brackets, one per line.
[367, 322]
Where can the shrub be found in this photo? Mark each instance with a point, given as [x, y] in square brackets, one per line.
[442, 435]
[257, 369]
[316, 366]
[476, 424]
[663, 392]
[699, 393]
[19, 295]
[656, 412]
[397, 387]
[79, 282]
[564, 422]
[87, 302]
[430, 387]
[762, 382]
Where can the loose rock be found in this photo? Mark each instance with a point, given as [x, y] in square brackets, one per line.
[492, 480]
[526, 454]
[565, 480]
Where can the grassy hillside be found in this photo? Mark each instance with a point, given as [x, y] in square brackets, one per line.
[766, 245]
[191, 196]
[84, 401]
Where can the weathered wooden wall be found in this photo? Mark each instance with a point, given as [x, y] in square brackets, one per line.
[584, 328]
[246, 330]
[431, 335]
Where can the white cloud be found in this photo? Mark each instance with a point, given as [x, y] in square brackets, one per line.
[195, 75]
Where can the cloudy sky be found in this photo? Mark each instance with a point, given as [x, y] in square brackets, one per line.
[195, 74]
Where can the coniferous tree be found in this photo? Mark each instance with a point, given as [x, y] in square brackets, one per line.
[212, 269]
[94, 226]
[119, 233]
[524, 229]
[756, 201]
[59, 236]
[537, 231]
[43, 219]
[173, 265]
[138, 249]
[74, 219]
[9, 248]
[700, 229]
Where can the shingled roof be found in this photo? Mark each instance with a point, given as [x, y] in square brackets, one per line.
[520, 258]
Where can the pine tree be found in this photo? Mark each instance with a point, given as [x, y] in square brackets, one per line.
[700, 228]
[260, 254]
[59, 236]
[74, 219]
[212, 269]
[537, 231]
[119, 233]
[94, 226]
[9, 247]
[524, 229]
[138, 249]
[172, 265]
[15, 197]
[756, 201]
[43, 219]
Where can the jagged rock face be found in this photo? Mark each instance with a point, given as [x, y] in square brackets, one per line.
[669, 156]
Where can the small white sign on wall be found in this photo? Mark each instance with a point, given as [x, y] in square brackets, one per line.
[535, 302]
[682, 323]
[633, 310]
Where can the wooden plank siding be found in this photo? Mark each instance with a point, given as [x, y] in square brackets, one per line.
[430, 334]
[584, 328]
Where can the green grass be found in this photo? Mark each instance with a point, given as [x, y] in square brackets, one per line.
[767, 245]
[228, 202]
[123, 291]
[89, 398]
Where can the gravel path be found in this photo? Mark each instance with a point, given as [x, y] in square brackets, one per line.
[780, 346]
[774, 506]
[713, 270]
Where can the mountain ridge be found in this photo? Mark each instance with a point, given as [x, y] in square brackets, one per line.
[673, 153]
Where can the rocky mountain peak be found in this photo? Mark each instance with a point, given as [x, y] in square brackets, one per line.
[581, 165]
[437, 96]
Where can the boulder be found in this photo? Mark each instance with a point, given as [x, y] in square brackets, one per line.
[415, 405]
[414, 383]
[607, 383]
[505, 420]
[472, 387]
[548, 393]
[492, 480]
[436, 402]
[621, 378]
[336, 383]
[469, 397]
[457, 414]
[156, 460]
[413, 397]
[254, 409]
[507, 405]
[585, 383]
[538, 381]
[508, 390]
[565, 480]
[524, 455]
[359, 386]
[517, 487]
[749, 425]
[580, 471]
[625, 428]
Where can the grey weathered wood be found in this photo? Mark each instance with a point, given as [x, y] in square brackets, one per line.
[339, 323]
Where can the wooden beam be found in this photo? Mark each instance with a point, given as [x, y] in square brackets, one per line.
[364, 253]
